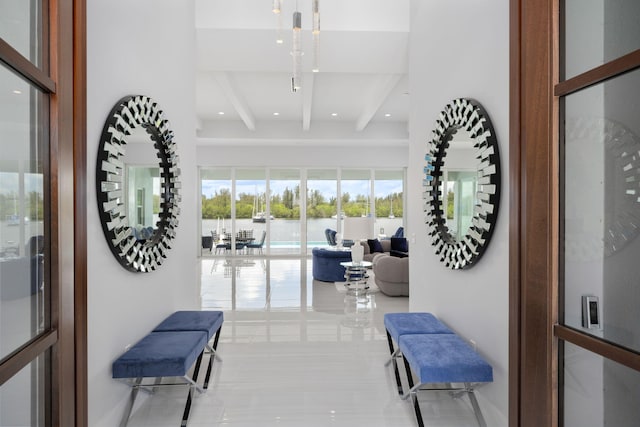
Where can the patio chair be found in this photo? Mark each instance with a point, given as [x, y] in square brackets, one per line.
[257, 244]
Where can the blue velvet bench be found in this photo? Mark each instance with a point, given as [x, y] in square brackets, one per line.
[437, 357]
[170, 350]
[398, 324]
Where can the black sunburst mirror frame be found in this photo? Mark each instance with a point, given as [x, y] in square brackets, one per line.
[469, 115]
[136, 255]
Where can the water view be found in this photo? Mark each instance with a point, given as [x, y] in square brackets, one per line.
[285, 233]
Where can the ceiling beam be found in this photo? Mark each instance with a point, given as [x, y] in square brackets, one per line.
[382, 89]
[232, 94]
[307, 100]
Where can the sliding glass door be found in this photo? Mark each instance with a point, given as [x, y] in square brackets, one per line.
[215, 189]
[389, 201]
[322, 205]
[292, 208]
[285, 202]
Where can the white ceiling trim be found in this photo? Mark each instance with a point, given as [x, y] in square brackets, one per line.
[232, 94]
[307, 100]
[312, 142]
[378, 95]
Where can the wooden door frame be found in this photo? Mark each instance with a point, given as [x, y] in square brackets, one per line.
[533, 214]
[69, 235]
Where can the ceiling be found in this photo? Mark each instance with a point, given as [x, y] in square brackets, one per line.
[243, 82]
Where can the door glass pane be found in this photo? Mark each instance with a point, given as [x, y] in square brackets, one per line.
[252, 212]
[598, 31]
[601, 202]
[284, 187]
[23, 294]
[20, 26]
[216, 208]
[355, 187]
[322, 205]
[598, 392]
[389, 201]
[23, 399]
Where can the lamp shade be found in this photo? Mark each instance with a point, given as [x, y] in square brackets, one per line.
[358, 228]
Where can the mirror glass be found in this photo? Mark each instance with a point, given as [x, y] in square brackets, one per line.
[143, 187]
[459, 184]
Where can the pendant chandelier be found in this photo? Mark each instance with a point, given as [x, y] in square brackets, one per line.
[296, 42]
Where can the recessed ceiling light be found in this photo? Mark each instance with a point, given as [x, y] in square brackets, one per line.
[387, 115]
[334, 114]
[221, 113]
[276, 114]
[315, 70]
[17, 92]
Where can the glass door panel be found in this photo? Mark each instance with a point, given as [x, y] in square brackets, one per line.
[322, 205]
[24, 293]
[388, 188]
[598, 31]
[602, 208]
[355, 189]
[21, 27]
[251, 209]
[23, 399]
[284, 187]
[599, 214]
[597, 391]
[215, 187]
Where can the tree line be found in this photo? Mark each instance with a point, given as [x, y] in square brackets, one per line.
[287, 205]
[10, 206]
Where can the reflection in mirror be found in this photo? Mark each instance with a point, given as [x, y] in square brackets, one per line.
[459, 201]
[459, 185]
[142, 189]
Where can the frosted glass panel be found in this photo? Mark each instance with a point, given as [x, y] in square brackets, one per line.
[602, 208]
[23, 399]
[598, 31]
[20, 26]
[598, 392]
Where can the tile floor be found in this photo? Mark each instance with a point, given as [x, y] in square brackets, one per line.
[296, 352]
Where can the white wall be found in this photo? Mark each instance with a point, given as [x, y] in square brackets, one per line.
[137, 47]
[318, 156]
[461, 49]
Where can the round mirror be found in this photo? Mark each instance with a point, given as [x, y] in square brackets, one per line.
[462, 183]
[138, 204]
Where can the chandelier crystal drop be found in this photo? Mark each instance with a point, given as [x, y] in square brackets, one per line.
[277, 6]
[296, 41]
[296, 52]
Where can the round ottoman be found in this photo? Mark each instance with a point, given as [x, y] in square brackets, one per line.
[326, 264]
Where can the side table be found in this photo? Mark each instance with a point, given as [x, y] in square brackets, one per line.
[355, 274]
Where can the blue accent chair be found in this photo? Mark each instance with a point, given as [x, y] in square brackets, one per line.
[326, 264]
[331, 236]
[399, 232]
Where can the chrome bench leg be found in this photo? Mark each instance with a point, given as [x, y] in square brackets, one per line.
[476, 407]
[392, 359]
[132, 399]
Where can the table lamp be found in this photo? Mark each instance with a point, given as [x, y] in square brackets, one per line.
[357, 229]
